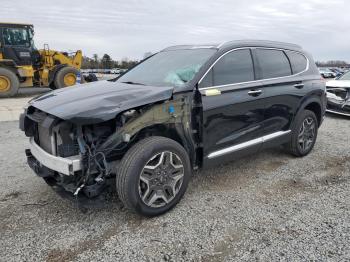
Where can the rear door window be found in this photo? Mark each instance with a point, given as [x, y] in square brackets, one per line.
[273, 63]
[297, 60]
[234, 67]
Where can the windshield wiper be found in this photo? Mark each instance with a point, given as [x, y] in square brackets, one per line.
[132, 83]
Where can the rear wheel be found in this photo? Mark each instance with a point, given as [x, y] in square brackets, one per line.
[66, 76]
[9, 83]
[304, 134]
[153, 176]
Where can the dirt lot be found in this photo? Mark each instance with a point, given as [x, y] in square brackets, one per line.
[269, 206]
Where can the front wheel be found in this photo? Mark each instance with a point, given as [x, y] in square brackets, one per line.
[153, 176]
[66, 76]
[9, 83]
[304, 134]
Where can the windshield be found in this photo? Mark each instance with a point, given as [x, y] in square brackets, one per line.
[16, 37]
[168, 68]
[346, 76]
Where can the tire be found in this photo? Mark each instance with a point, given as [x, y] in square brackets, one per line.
[299, 132]
[9, 83]
[141, 197]
[82, 79]
[64, 77]
[91, 78]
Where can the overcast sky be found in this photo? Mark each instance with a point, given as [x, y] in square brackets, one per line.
[129, 28]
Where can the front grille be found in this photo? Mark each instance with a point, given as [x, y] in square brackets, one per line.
[43, 124]
[66, 150]
[54, 136]
[67, 144]
[45, 139]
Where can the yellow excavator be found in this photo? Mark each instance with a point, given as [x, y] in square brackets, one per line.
[22, 65]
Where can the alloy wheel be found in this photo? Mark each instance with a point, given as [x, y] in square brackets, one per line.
[307, 134]
[161, 179]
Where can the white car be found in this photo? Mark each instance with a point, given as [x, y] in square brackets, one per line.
[338, 95]
[326, 73]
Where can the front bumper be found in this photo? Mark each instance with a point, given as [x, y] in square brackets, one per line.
[338, 112]
[66, 166]
[337, 104]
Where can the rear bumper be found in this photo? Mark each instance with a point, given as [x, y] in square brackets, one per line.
[66, 166]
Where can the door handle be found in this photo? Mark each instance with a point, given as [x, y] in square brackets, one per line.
[299, 85]
[254, 92]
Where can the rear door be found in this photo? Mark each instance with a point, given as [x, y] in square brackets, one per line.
[233, 107]
[283, 87]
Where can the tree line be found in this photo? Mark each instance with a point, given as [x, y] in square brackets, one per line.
[332, 63]
[106, 62]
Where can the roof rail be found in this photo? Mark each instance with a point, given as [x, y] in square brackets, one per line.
[259, 42]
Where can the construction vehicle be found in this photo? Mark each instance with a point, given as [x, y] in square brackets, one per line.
[22, 65]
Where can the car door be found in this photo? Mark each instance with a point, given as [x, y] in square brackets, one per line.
[283, 88]
[233, 107]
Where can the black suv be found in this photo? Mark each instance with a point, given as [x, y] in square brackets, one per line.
[184, 108]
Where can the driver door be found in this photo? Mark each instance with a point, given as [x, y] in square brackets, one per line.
[233, 108]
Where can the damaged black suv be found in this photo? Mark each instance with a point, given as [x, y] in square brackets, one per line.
[184, 108]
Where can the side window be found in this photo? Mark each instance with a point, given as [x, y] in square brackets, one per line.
[234, 67]
[273, 63]
[298, 61]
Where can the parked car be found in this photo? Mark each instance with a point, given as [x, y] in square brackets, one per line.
[115, 71]
[326, 73]
[338, 95]
[186, 107]
[338, 72]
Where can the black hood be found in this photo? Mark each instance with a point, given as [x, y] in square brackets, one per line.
[98, 101]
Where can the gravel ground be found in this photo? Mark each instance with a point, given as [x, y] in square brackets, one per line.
[269, 206]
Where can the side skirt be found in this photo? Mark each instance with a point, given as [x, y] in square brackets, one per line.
[247, 144]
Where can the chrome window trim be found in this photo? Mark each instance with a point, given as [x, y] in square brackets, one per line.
[254, 81]
[246, 144]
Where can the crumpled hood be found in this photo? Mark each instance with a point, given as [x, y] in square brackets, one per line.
[98, 101]
[338, 83]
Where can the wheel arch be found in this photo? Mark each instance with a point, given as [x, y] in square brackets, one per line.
[171, 131]
[9, 65]
[316, 108]
[313, 104]
[163, 130]
[178, 134]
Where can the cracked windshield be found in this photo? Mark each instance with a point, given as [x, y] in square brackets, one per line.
[168, 68]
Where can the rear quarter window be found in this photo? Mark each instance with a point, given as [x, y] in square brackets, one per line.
[298, 61]
[273, 63]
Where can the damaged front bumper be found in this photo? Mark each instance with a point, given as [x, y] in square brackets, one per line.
[338, 101]
[66, 166]
[95, 196]
[59, 173]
